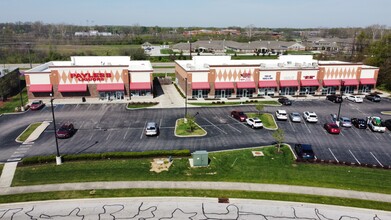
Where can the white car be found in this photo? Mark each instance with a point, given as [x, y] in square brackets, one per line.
[375, 124]
[254, 122]
[354, 98]
[281, 115]
[310, 116]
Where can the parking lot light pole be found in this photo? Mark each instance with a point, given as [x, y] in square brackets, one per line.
[184, 118]
[340, 104]
[58, 157]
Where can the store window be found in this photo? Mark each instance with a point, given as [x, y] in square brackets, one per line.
[329, 90]
[141, 92]
[288, 90]
[112, 95]
[223, 93]
[266, 91]
[200, 93]
[308, 90]
[245, 92]
[365, 88]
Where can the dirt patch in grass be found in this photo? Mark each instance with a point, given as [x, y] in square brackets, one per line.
[160, 164]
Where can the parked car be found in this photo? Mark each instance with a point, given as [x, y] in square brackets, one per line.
[359, 123]
[295, 117]
[332, 128]
[345, 122]
[375, 124]
[281, 115]
[373, 97]
[354, 98]
[304, 151]
[387, 123]
[334, 98]
[310, 116]
[66, 130]
[254, 122]
[285, 101]
[239, 115]
[152, 129]
[36, 105]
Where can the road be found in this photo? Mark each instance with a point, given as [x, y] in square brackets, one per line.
[110, 127]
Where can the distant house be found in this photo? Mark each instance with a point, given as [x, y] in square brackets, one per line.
[93, 33]
[329, 44]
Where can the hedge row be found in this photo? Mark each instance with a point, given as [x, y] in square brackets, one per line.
[108, 155]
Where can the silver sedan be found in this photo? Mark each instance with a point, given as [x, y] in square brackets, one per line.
[295, 117]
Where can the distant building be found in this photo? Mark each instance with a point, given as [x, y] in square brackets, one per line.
[93, 33]
[211, 32]
[221, 77]
[329, 44]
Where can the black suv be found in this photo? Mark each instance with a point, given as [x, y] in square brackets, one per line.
[373, 97]
[66, 130]
[285, 101]
[304, 151]
[334, 98]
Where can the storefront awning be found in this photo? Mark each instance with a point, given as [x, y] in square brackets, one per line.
[309, 82]
[350, 82]
[267, 83]
[331, 82]
[245, 85]
[140, 86]
[110, 87]
[40, 88]
[367, 81]
[224, 85]
[72, 87]
[289, 83]
[200, 85]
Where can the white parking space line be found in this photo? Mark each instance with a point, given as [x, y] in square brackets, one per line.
[375, 135]
[376, 159]
[307, 127]
[290, 123]
[160, 125]
[357, 132]
[91, 136]
[234, 128]
[81, 125]
[142, 131]
[107, 138]
[342, 133]
[354, 157]
[215, 126]
[126, 133]
[334, 156]
[88, 107]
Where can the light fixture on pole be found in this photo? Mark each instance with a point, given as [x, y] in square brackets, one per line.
[340, 104]
[58, 157]
[20, 92]
[185, 119]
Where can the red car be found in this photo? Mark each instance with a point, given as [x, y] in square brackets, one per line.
[239, 115]
[36, 105]
[332, 128]
[65, 131]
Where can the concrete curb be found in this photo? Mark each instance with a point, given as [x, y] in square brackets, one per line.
[272, 129]
[35, 134]
[185, 136]
[17, 138]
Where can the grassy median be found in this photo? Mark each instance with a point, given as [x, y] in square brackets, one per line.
[231, 166]
[30, 129]
[266, 118]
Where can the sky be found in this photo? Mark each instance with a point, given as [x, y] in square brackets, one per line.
[201, 13]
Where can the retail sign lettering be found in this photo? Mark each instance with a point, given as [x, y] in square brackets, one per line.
[90, 76]
[267, 77]
[309, 77]
[245, 77]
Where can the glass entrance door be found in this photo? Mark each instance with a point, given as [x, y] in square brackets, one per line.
[199, 94]
[223, 93]
[244, 93]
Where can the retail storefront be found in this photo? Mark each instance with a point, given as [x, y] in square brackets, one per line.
[100, 78]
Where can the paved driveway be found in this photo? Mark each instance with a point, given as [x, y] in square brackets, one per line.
[110, 127]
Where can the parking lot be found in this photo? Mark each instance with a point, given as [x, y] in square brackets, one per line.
[110, 127]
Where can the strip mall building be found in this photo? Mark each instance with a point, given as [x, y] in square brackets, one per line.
[221, 77]
[98, 77]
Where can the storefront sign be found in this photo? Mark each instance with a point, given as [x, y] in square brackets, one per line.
[245, 76]
[267, 77]
[308, 77]
[90, 76]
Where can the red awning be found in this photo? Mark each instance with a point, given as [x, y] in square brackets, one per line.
[289, 83]
[267, 83]
[224, 85]
[245, 85]
[72, 87]
[140, 86]
[110, 87]
[331, 82]
[350, 82]
[40, 88]
[200, 85]
[309, 82]
[367, 81]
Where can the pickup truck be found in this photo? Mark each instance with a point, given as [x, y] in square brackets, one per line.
[375, 124]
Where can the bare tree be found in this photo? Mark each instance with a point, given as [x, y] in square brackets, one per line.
[279, 136]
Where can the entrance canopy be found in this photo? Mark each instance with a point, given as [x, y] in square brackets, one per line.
[40, 88]
[331, 82]
[246, 85]
[110, 87]
[309, 82]
[350, 82]
[72, 87]
[224, 85]
[140, 86]
[267, 83]
[289, 83]
[200, 85]
[367, 81]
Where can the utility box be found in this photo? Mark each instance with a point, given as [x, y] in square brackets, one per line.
[200, 158]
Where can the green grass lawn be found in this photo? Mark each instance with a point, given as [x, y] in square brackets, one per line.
[260, 57]
[98, 50]
[166, 51]
[14, 102]
[220, 103]
[266, 118]
[194, 193]
[141, 104]
[273, 168]
[29, 130]
[182, 129]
